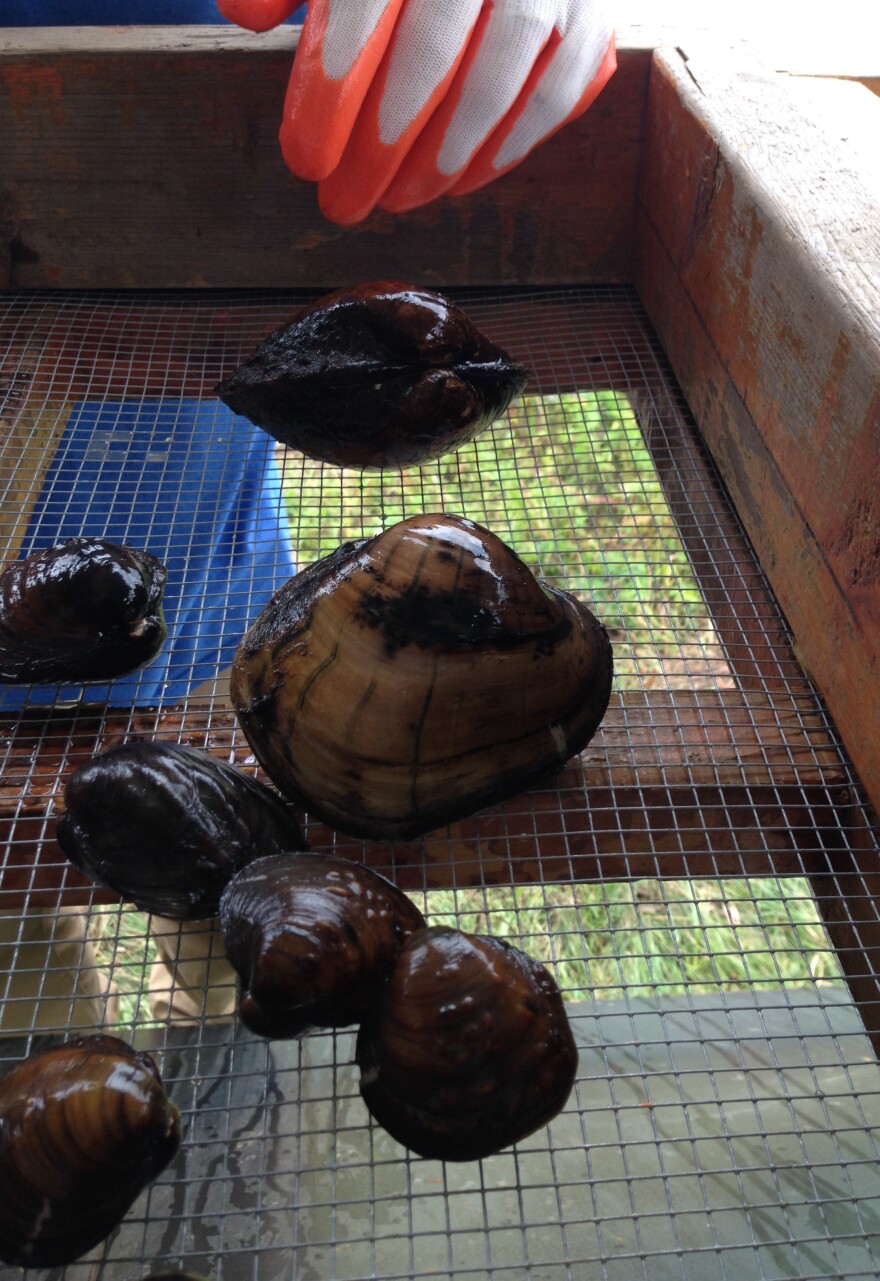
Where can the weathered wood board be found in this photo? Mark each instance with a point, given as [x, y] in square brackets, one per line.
[31, 425]
[758, 260]
[685, 783]
[143, 157]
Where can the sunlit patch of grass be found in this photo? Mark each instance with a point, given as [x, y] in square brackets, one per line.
[653, 938]
[122, 944]
[639, 939]
[569, 483]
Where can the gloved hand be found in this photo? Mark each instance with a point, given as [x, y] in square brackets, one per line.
[257, 15]
[394, 102]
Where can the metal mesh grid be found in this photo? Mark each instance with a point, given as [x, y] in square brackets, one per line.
[723, 1124]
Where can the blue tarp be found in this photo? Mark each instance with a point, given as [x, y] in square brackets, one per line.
[113, 13]
[197, 487]
[184, 480]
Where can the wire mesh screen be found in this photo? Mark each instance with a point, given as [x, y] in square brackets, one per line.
[699, 880]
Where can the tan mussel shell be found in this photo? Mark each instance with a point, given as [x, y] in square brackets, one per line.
[85, 1126]
[411, 679]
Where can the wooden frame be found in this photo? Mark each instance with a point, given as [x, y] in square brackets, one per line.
[141, 158]
[766, 297]
[164, 170]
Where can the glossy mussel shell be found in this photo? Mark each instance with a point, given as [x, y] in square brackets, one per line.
[380, 375]
[84, 611]
[311, 939]
[166, 826]
[172, 1274]
[413, 678]
[467, 1049]
[84, 1128]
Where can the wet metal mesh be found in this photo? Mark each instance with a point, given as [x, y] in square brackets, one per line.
[675, 878]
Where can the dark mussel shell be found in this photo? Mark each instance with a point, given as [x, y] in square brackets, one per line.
[468, 1047]
[167, 826]
[380, 375]
[413, 678]
[84, 1128]
[84, 611]
[311, 939]
[174, 1274]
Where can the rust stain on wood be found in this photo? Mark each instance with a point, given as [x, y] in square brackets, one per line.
[854, 537]
[779, 364]
[859, 542]
[827, 628]
[40, 86]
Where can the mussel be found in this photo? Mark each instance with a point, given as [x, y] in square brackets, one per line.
[166, 826]
[84, 1127]
[380, 375]
[174, 1274]
[311, 939]
[410, 679]
[467, 1048]
[86, 610]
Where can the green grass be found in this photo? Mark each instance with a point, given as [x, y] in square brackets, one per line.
[120, 937]
[653, 938]
[639, 939]
[571, 486]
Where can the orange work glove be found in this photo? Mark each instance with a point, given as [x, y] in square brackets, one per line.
[394, 102]
[257, 15]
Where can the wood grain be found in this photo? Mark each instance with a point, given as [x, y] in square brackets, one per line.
[146, 161]
[684, 783]
[32, 422]
[765, 291]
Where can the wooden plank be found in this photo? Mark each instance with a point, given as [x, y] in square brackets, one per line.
[785, 35]
[620, 833]
[32, 422]
[145, 160]
[111, 348]
[684, 783]
[766, 296]
[848, 118]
